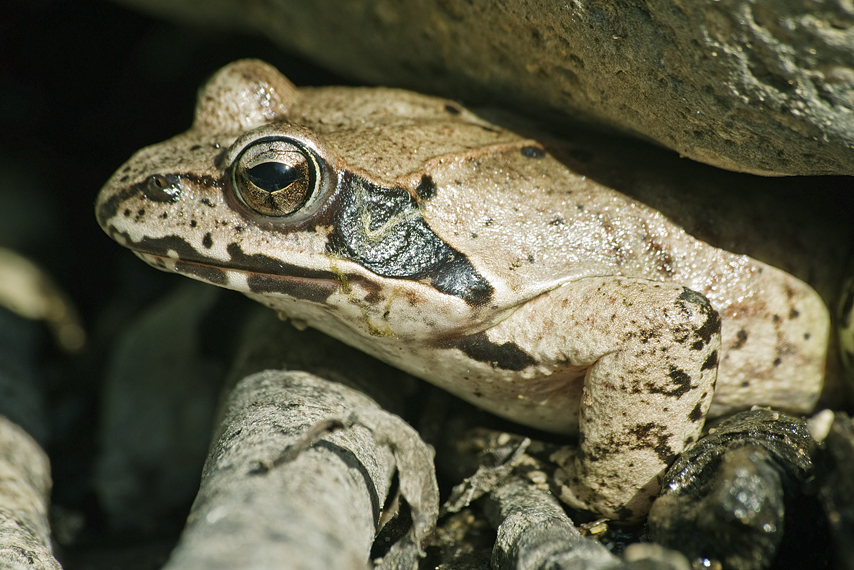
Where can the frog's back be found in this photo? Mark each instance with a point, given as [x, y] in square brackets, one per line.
[533, 213]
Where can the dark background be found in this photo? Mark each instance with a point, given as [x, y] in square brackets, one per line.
[83, 85]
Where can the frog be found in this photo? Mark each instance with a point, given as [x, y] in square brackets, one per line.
[480, 256]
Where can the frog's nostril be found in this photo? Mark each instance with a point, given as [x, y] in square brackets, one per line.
[162, 188]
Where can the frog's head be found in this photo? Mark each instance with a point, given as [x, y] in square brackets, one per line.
[310, 201]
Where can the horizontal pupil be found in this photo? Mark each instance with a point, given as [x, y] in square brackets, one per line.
[272, 176]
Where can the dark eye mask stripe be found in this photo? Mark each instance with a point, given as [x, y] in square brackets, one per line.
[383, 230]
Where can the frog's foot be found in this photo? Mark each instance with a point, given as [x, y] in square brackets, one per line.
[653, 352]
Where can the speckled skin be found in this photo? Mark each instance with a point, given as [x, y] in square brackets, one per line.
[590, 312]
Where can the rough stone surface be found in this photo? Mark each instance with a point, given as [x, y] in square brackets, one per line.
[735, 496]
[289, 484]
[760, 87]
[24, 494]
[534, 533]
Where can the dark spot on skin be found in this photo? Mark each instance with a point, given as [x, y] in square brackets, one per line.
[140, 212]
[164, 215]
[530, 258]
[712, 325]
[533, 152]
[664, 261]
[473, 235]
[711, 362]
[807, 336]
[478, 394]
[452, 109]
[488, 222]
[794, 314]
[207, 241]
[238, 229]
[697, 413]
[680, 385]
[206, 202]
[192, 223]
[207, 273]
[124, 178]
[681, 380]
[558, 221]
[741, 339]
[647, 335]
[745, 384]
[698, 345]
[653, 436]
[195, 147]
[127, 212]
[426, 189]
[507, 356]
[383, 230]
[778, 361]
[374, 296]
[776, 318]
[126, 169]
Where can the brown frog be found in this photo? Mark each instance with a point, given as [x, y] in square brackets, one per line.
[481, 260]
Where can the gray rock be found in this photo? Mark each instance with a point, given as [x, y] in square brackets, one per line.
[534, 533]
[24, 495]
[299, 478]
[765, 88]
[728, 497]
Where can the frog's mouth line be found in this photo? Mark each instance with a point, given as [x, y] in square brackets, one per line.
[314, 289]
[256, 273]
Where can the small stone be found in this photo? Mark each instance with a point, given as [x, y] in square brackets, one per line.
[734, 495]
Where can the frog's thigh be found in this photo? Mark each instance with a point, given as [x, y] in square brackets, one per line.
[653, 350]
[775, 340]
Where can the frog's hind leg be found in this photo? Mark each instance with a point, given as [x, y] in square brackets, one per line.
[652, 350]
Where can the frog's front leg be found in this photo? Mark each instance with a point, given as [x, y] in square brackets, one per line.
[651, 350]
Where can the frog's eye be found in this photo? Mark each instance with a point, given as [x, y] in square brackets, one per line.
[276, 176]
